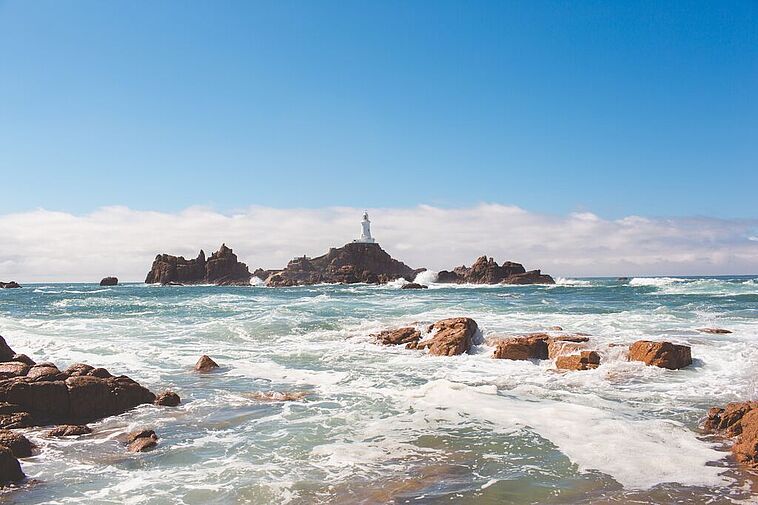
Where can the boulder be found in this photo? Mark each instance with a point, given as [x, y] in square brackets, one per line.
[10, 468]
[142, 440]
[586, 360]
[69, 430]
[6, 353]
[13, 369]
[109, 281]
[99, 372]
[714, 331]
[9, 285]
[45, 372]
[167, 399]
[23, 358]
[451, 337]
[525, 347]
[400, 336]
[78, 369]
[487, 271]
[205, 364]
[222, 268]
[19, 445]
[413, 285]
[738, 420]
[350, 264]
[661, 354]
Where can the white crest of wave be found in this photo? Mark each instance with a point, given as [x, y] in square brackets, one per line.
[426, 277]
[655, 281]
[564, 281]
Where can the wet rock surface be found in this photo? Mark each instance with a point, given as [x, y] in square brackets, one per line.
[168, 399]
[205, 364]
[19, 445]
[399, 336]
[449, 337]
[661, 354]
[141, 440]
[585, 360]
[738, 420]
[69, 430]
[10, 468]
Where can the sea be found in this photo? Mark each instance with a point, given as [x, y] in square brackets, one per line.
[306, 408]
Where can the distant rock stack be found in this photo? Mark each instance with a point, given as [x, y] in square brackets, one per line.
[222, 268]
[9, 285]
[354, 262]
[486, 271]
[109, 281]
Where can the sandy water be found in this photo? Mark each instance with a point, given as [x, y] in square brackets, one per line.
[388, 425]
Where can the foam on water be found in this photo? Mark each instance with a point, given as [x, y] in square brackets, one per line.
[371, 413]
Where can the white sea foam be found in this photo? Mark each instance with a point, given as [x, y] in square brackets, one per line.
[655, 281]
[563, 281]
[426, 277]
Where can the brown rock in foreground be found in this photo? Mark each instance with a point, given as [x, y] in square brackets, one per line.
[19, 445]
[522, 348]
[9, 285]
[451, 337]
[45, 395]
[222, 268]
[741, 420]
[400, 336]
[586, 360]
[10, 469]
[661, 354]
[714, 331]
[487, 271]
[349, 264]
[205, 364]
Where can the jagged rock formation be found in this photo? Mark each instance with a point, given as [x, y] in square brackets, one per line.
[486, 271]
[8, 285]
[222, 268]
[354, 262]
[661, 354]
[738, 420]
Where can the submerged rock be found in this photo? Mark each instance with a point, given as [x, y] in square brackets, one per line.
[278, 396]
[738, 420]
[142, 440]
[222, 268]
[413, 285]
[661, 354]
[9, 285]
[714, 331]
[168, 399]
[349, 264]
[486, 271]
[451, 337]
[205, 364]
[109, 281]
[69, 430]
[586, 360]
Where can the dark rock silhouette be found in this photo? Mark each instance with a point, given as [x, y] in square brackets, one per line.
[109, 281]
[486, 271]
[222, 268]
[9, 285]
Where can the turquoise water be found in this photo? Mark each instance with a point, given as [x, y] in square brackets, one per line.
[388, 425]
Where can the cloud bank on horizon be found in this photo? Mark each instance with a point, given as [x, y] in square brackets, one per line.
[41, 245]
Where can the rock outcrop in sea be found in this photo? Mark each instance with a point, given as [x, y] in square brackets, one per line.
[486, 271]
[9, 285]
[109, 281]
[33, 394]
[737, 420]
[349, 264]
[222, 269]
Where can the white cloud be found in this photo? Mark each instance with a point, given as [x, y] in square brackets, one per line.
[43, 245]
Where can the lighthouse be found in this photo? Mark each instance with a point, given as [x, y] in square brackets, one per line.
[366, 237]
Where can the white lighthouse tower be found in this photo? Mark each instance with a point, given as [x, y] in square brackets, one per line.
[366, 237]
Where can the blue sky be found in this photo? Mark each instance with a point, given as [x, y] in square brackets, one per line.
[620, 108]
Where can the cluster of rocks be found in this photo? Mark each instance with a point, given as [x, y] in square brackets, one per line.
[450, 337]
[350, 264]
[40, 394]
[222, 269]
[486, 271]
[9, 285]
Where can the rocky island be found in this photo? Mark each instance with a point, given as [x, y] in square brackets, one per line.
[486, 271]
[222, 269]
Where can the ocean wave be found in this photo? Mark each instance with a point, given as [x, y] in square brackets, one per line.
[655, 281]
